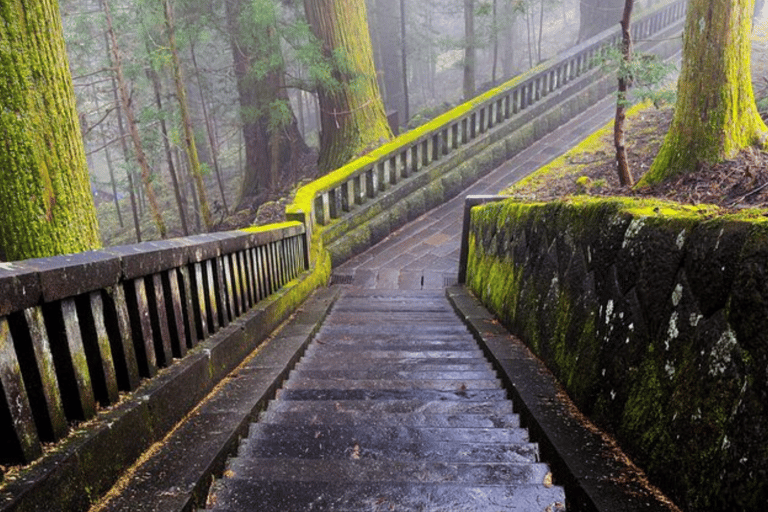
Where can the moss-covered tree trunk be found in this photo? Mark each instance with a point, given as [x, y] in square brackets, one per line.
[186, 120]
[274, 146]
[46, 206]
[352, 113]
[716, 115]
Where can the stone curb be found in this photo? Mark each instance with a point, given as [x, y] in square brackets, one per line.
[177, 476]
[595, 475]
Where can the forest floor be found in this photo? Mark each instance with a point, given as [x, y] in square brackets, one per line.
[741, 182]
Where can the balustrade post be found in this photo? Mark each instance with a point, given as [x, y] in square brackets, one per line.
[160, 322]
[23, 439]
[141, 325]
[123, 349]
[96, 342]
[176, 324]
[49, 415]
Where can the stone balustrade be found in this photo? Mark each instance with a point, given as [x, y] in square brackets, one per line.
[78, 330]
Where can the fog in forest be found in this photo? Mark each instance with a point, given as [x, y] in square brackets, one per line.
[238, 72]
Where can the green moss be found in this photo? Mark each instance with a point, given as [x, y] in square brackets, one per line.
[568, 163]
[271, 227]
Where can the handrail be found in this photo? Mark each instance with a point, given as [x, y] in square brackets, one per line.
[327, 199]
[77, 330]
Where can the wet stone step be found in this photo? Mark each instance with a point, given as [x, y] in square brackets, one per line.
[356, 470]
[388, 419]
[396, 344]
[385, 328]
[435, 385]
[306, 372]
[482, 395]
[278, 496]
[379, 407]
[369, 435]
[453, 365]
[331, 352]
[439, 451]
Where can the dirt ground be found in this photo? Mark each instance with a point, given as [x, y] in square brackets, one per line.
[741, 182]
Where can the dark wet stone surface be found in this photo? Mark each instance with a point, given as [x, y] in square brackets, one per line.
[279, 496]
[392, 407]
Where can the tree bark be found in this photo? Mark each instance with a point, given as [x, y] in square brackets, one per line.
[274, 146]
[125, 102]
[186, 119]
[46, 206]
[622, 166]
[157, 86]
[470, 53]
[124, 143]
[715, 115]
[352, 114]
[404, 60]
[598, 15]
[209, 129]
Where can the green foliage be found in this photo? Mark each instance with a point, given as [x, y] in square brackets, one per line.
[645, 72]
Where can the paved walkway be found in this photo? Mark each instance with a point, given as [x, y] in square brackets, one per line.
[425, 253]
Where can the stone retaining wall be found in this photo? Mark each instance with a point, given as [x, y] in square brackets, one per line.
[654, 317]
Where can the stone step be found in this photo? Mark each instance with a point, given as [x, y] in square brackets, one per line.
[437, 451]
[245, 496]
[427, 343]
[393, 385]
[335, 353]
[302, 372]
[369, 435]
[383, 407]
[482, 395]
[390, 419]
[387, 328]
[356, 470]
[442, 365]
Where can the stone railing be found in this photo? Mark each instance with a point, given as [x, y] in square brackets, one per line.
[347, 194]
[77, 331]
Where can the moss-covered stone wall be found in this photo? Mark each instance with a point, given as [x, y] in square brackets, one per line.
[654, 317]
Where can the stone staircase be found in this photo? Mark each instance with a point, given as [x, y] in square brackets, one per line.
[394, 408]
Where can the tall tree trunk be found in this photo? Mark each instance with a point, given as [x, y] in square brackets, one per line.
[110, 165]
[125, 101]
[404, 60]
[508, 33]
[157, 86]
[541, 30]
[46, 206]
[715, 115]
[186, 119]
[209, 129]
[598, 15]
[495, 37]
[124, 145]
[273, 144]
[622, 166]
[352, 114]
[470, 52]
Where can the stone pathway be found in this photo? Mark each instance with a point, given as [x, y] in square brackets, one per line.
[425, 253]
[393, 407]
